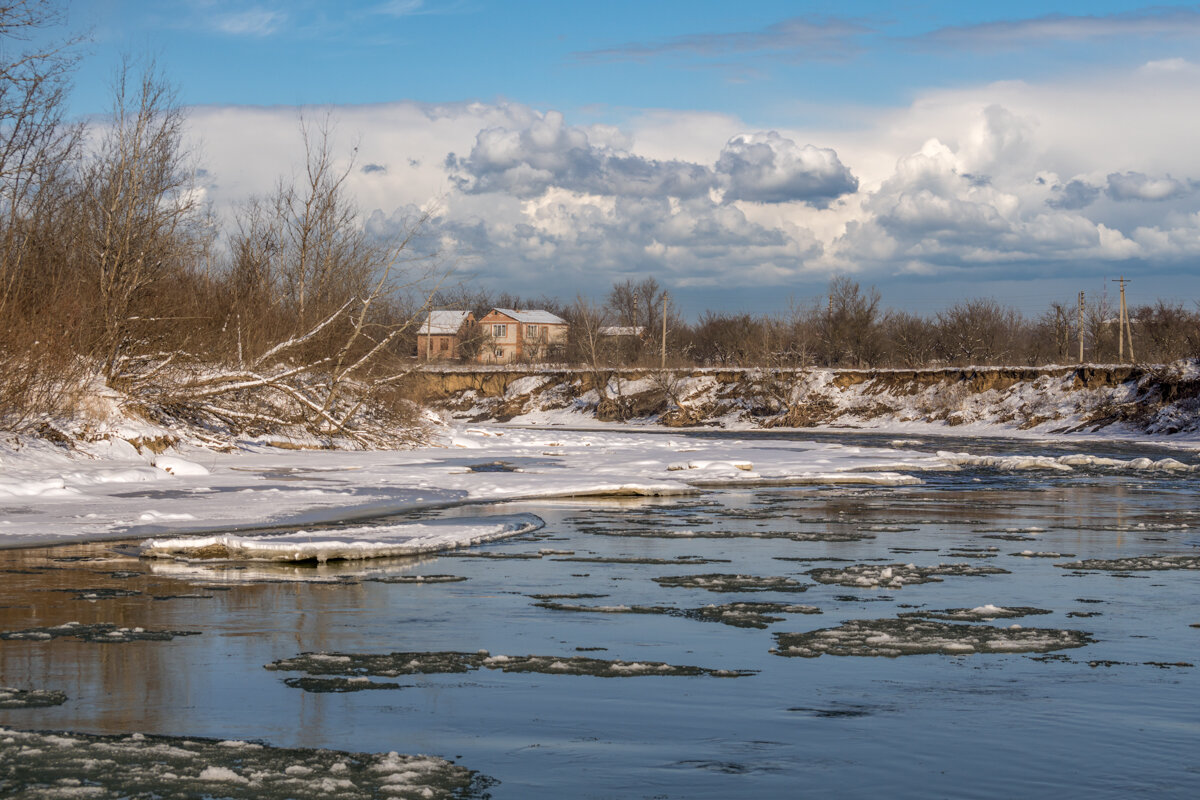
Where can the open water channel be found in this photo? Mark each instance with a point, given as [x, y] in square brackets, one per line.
[919, 687]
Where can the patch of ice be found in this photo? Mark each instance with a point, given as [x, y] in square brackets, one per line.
[154, 516]
[380, 541]
[222, 775]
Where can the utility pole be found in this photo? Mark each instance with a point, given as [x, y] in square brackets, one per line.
[1080, 327]
[664, 332]
[1060, 329]
[1126, 327]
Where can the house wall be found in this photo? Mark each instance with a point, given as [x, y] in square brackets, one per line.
[538, 344]
[437, 347]
[517, 341]
[441, 346]
[504, 343]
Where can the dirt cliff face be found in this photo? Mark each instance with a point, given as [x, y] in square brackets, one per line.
[1160, 399]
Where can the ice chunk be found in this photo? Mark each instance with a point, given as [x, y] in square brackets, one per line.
[377, 541]
[179, 466]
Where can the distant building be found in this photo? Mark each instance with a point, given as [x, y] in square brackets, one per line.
[511, 335]
[441, 333]
[638, 331]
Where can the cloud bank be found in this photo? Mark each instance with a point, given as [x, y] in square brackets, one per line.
[1005, 179]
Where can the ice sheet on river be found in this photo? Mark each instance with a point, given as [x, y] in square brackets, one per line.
[51, 497]
[349, 544]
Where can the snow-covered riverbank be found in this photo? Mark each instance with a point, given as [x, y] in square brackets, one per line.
[1113, 400]
[48, 495]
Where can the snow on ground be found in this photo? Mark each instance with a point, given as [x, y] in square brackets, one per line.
[47, 497]
[112, 491]
[1130, 404]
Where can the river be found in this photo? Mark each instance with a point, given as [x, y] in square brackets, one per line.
[1105, 710]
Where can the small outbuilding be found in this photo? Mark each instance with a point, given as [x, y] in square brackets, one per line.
[441, 334]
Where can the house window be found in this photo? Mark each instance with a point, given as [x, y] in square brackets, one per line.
[499, 331]
[443, 343]
[531, 330]
[499, 352]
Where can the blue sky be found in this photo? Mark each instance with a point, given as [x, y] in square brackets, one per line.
[742, 154]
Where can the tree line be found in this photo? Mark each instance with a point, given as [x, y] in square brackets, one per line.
[849, 328]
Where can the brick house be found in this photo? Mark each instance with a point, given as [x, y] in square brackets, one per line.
[514, 335]
[440, 334]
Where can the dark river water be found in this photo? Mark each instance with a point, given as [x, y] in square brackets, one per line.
[1116, 717]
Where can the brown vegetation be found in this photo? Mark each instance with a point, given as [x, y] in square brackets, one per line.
[114, 277]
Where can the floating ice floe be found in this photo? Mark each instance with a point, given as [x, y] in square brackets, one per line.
[77, 765]
[1135, 563]
[1003, 462]
[99, 632]
[391, 665]
[725, 582]
[30, 698]
[686, 560]
[377, 541]
[902, 637]
[796, 536]
[738, 615]
[1065, 463]
[895, 576]
[982, 613]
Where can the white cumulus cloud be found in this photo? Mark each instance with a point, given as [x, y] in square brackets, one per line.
[768, 168]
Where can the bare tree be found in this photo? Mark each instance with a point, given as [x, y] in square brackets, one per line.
[729, 340]
[1168, 331]
[324, 257]
[1100, 329]
[911, 339]
[36, 146]
[1053, 337]
[589, 345]
[849, 325]
[39, 319]
[140, 205]
[639, 306]
[343, 299]
[977, 331]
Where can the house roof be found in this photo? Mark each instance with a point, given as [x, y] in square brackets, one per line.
[622, 330]
[532, 317]
[441, 322]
